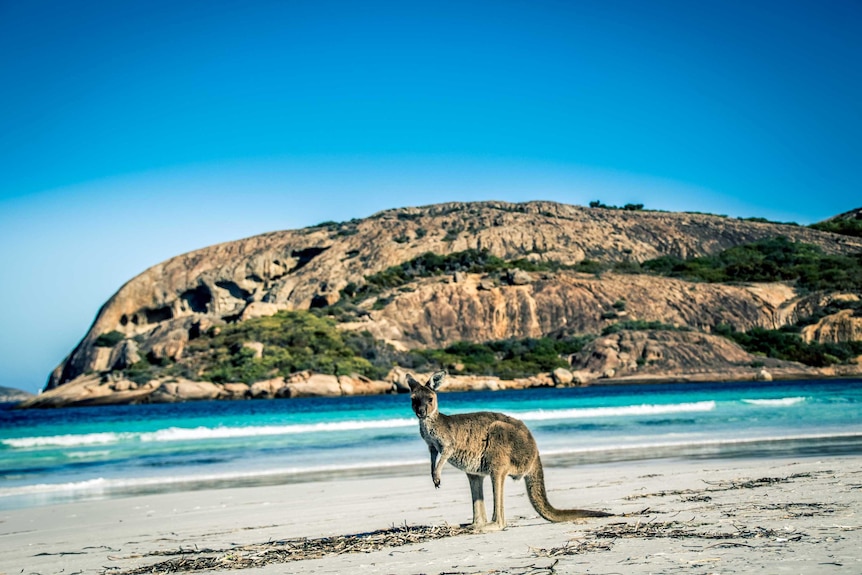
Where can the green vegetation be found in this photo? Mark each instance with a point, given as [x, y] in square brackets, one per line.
[766, 221]
[509, 358]
[829, 309]
[781, 344]
[627, 207]
[773, 259]
[292, 341]
[109, 339]
[299, 340]
[143, 371]
[641, 325]
[843, 226]
[430, 264]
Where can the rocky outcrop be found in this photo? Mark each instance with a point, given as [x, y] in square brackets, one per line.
[679, 356]
[95, 389]
[652, 352]
[307, 268]
[156, 314]
[12, 395]
[439, 313]
[846, 325]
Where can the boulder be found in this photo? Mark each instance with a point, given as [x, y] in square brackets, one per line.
[122, 385]
[267, 388]
[359, 385]
[518, 277]
[185, 390]
[236, 390]
[763, 375]
[583, 377]
[562, 377]
[317, 385]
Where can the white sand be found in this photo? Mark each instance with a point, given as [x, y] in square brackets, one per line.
[809, 523]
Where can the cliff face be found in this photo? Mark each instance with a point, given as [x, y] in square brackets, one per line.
[306, 268]
[440, 311]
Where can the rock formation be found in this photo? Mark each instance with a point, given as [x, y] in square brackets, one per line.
[156, 313]
[12, 395]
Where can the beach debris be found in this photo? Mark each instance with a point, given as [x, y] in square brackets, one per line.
[186, 560]
[604, 537]
[523, 570]
[716, 486]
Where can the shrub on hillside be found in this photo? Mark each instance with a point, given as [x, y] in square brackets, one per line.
[772, 259]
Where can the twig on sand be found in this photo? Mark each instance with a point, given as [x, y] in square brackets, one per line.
[525, 570]
[603, 538]
[259, 555]
[716, 486]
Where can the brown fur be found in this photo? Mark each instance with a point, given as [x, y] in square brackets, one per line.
[484, 443]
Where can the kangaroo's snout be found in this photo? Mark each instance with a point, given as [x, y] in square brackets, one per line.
[420, 408]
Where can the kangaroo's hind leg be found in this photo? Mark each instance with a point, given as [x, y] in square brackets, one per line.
[498, 520]
[477, 492]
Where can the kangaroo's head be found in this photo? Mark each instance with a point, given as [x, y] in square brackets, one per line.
[424, 395]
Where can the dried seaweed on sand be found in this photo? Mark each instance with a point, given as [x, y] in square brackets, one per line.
[283, 551]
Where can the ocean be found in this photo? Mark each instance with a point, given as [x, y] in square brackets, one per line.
[71, 454]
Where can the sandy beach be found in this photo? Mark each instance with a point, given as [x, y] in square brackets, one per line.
[710, 516]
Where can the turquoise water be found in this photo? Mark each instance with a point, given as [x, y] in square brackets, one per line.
[48, 456]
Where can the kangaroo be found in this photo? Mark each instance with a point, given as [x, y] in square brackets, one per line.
[484, 443]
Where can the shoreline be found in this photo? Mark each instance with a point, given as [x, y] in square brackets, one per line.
[55, 398]
[698, 515]
[102, 488]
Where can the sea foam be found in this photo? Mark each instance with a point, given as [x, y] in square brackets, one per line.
[202, 433]
[71, 440]
[196, 433]
[621, 411]
[782, 402]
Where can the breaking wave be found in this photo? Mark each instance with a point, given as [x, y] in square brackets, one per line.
[782, 402]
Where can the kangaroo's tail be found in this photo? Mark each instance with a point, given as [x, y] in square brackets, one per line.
[535, 481]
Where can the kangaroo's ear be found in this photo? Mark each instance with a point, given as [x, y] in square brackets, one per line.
[436, 380]
[414, 385]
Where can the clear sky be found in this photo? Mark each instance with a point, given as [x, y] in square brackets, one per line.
[131, 132]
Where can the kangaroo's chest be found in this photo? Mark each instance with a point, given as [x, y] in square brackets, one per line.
[463, 455]
[431, 437]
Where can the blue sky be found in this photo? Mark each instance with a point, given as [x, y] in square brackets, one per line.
[131, 132]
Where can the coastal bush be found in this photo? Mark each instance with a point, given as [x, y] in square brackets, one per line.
[831, 308]
[109, 339]
[508, 358]
[626, 207]
[430, 264]
[771, 259]
[292, 341]
[641, 325]
[780, 344]
[843, 226]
